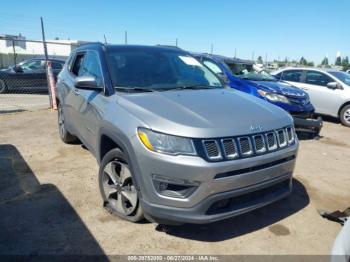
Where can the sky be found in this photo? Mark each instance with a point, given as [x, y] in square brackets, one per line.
[278, 29]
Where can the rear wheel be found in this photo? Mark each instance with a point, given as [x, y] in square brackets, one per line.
[65, 136]
[3, 87]
[119, 193]
[345, 115]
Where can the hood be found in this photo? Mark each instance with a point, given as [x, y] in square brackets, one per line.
[281, 88]
[204, 113]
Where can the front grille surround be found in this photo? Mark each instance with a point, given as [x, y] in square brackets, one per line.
[271, 136]
[282, 138]
[259, 144]
[245, 146]
[230, 148]
[211, 153]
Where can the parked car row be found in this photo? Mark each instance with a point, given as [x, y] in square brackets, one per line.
[329, 90]
[29, 75]
[242, 75]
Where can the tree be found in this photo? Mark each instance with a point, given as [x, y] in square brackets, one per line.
[303, 61]
[325, 62]
[345, 63]
[260, 60]
[338, 61]
[310, 63]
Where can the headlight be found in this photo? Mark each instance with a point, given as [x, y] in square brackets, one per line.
[274, 97]
[166, 144]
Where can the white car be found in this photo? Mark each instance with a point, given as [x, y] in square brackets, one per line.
[329, 90]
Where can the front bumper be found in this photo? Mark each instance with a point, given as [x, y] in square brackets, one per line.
[223, 205]
[309, 125]
[248, 184]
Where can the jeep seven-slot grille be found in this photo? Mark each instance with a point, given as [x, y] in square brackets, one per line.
[249, 145]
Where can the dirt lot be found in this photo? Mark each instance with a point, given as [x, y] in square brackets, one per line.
[49, 201]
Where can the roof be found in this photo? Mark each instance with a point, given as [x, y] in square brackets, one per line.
[129, 47]
[309, 68]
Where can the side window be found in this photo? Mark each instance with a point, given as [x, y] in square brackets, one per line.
[213, 67]
[292, 75]
[78, 61]
[32, 65]
[91, 67]
[56, 65]
[317, 78]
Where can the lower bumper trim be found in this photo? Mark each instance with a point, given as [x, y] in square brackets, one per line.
[199, 213]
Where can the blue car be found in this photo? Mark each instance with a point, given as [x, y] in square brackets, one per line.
[242, 75]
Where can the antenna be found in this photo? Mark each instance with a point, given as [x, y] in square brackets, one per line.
[105, 38]
[126, 37]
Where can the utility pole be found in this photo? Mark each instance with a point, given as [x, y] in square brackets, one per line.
[46, 60]
[235, 53]
[105, 38]
[44, 41]
[126, 37]
[211, 49]
[265, 59]
[14, 52]
[176, 42]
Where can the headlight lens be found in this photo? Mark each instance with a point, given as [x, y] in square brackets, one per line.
[274, 97]
[166, 144]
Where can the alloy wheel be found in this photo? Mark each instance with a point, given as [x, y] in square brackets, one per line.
[347, 116]
[118, 188]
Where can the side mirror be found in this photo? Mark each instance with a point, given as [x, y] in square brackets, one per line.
[86, 82]
[333, 85]
[18, 69]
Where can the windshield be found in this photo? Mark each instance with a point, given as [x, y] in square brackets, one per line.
[247, 71]
[344, 77]
[158, 70]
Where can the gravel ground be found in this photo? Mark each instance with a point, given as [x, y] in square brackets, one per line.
[22, 102]
[50, 203]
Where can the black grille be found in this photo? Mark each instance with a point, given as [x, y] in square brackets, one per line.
[259, 143]
[281, 138]
[271, 140]
[245, 146]
[211, 148]
[230, 148]
[290, 134]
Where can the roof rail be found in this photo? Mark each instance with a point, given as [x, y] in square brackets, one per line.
[170, 46]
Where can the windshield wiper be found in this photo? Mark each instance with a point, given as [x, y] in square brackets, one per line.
[133, 89]
[195, 87]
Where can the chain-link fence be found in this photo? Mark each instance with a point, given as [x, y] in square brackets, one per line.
[23, 71]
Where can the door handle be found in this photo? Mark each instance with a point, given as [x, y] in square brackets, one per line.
[76, 91]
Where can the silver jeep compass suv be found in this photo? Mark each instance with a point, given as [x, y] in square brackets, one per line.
[174, 144]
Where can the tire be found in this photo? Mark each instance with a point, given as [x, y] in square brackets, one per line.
[345, 115]
[119, 194]
[65, 136]
[3, 87]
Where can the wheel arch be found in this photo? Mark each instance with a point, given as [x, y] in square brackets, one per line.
[342, 106]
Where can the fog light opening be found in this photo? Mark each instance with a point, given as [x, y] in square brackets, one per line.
[174, 187]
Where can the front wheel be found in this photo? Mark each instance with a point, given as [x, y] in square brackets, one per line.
[118, 190]
[345, 115]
